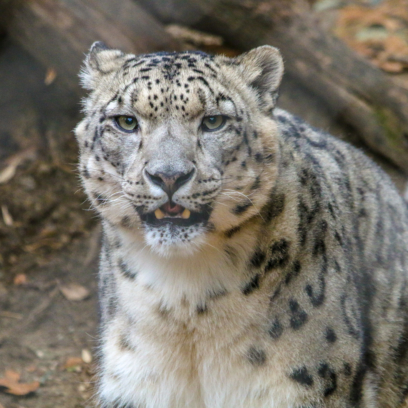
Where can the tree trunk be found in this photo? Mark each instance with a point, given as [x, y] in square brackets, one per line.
[354, 90]
[58, 33]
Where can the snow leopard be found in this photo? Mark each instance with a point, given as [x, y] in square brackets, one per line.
[248, 259]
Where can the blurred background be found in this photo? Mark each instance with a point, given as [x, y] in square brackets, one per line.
[346, 72]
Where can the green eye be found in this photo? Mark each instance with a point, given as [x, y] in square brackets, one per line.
[126, 123]
[211, 123]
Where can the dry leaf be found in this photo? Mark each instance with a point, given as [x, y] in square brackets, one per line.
[191, 36]
[47, 242]
[8, 173]
[50, 76]
[86, 356]
[20, 279]
[74, 291]
[13, 162]
[12, 375]
[73, 362]
[14, 387]
[378, 33]
[392, 67]
[82, 387]
[11, 315]
[7, 218]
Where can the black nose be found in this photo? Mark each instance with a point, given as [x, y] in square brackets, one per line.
[170, 182]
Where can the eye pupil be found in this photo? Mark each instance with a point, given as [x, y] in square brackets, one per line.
[212, 123]
[127, 123]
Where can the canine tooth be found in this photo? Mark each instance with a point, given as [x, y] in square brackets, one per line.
[159, 214]
[186, 214]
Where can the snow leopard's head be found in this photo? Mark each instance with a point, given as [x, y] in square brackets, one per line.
[175, 146]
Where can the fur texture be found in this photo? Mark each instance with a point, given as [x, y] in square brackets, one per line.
[290, 292]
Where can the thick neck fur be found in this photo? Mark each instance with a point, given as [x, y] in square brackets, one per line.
[222, 265]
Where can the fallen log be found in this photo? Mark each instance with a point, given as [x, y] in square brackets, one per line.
[59, 32]
[354, 90]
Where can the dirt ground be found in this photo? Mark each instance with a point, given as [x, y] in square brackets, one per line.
[45, 335]
[49, 237]
[48, 240]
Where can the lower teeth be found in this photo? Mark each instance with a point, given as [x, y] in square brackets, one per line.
[160, 214]
[186, 214]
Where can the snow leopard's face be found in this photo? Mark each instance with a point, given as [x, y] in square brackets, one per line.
[173, 145]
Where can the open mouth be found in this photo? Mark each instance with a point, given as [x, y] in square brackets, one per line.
[171, 213]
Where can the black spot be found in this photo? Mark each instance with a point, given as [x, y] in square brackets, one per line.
[338, 238]
[347, 369]
[100, 199]
[256, 356]
[124, 343]
[116, 243]
[85, 173]
[112, 306]
[257, 259]
[276, 293]
[317, 294]
[293, 273]
[252, 285]
[125, 270]
[274, 207]
[201, 309]
[259, 157]
[303, 229]
[276, 329]
[279, 255]
[330, 335]
[126, 221]
[302, 376]
[320, 234]
[305, 176]
[298, 315]
[241, 208]
[256, 184]
[326, 372]
[281, 118]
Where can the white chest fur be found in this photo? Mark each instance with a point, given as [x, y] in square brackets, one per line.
[183, 337]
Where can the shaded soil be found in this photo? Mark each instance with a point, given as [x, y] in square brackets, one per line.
[47, 329]
[47, 239]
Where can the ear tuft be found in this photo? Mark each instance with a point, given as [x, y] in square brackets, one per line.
[101, 60]
[262, 68]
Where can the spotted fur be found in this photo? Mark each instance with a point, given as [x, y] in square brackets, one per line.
[293, 292]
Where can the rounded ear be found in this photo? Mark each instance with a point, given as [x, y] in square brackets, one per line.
[262, 68]
[100, 61]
